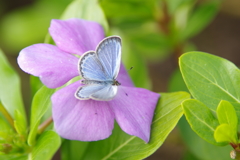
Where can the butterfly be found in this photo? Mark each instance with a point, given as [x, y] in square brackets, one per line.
[99, 70]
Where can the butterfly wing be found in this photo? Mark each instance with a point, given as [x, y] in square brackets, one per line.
[91, 68]
[107, 93]
[109, 54]
[102, 92]
[100, 69]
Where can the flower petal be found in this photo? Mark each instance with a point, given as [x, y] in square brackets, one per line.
[84, 120]
[124, 78]
[134, 110]
[52, 65]
[76, 35]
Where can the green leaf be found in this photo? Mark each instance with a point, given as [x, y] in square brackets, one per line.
[120, 144]
[225, 133]
[176, 82]
[41, 103]
[35, 84]
[10, 94]
[16, 28]
[19, 124]
[199, 18]
[227, 114]
[201, 120]
[85, 9]
[199, 147]
[47, 144]
[70, 150]
[150, 43]
[13, 157]
[211, 79]
[144, 10]
[173, 5]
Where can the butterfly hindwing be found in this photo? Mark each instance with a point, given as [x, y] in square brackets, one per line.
[107, 93]
[102, 92]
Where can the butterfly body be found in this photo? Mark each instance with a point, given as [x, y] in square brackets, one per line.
[99, 70]
[114, 82]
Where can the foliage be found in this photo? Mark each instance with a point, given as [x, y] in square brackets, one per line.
[152, 31]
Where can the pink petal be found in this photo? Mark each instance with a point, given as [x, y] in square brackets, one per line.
[52, 65]
[124, 78]
[83, 120]
[134, 110]
[76, 35]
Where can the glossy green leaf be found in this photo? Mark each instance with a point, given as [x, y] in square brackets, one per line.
[10, 94]
[199, 147]
[201, 119]
[227, 114]
[225, 133]
[70, 150]
[124, 146]
[47, 144]
[211, 79]
[41, 103]
[85, 9]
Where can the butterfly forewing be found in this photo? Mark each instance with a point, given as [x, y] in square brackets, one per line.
[91, 68]
[109, 53]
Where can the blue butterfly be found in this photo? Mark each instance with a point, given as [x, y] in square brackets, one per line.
[99, 71]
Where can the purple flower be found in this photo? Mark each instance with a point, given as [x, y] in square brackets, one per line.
[86, 120]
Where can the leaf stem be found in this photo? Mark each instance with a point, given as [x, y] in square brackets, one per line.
[7, 115]
[44, 125]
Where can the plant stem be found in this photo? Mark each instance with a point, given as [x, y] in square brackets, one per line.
[7, 115]
[44, 125]
[165, 19]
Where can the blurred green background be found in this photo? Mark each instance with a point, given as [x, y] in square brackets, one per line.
[155, 33]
